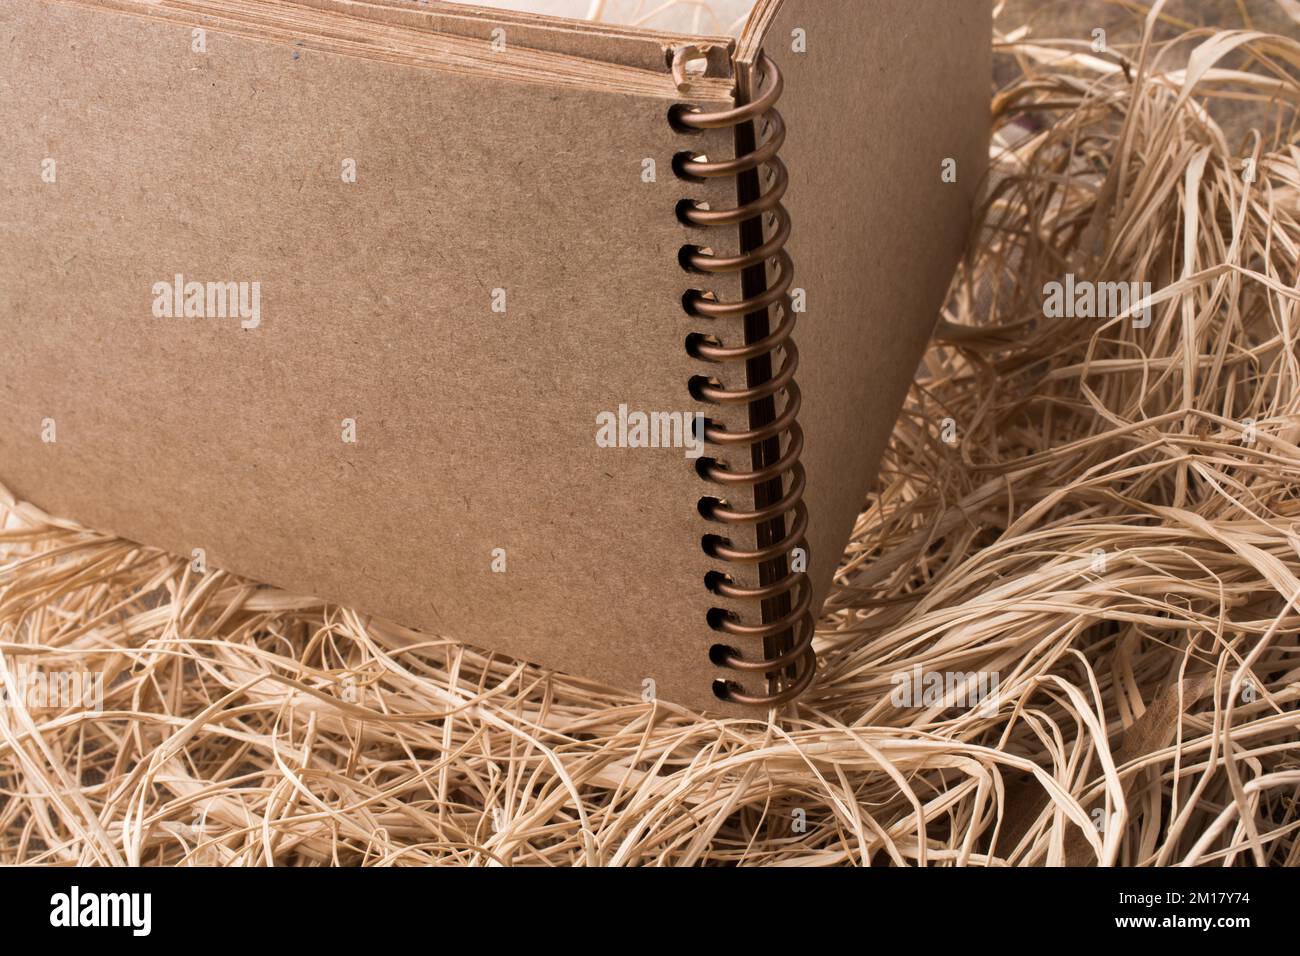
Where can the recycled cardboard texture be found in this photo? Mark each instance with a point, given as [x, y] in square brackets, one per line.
[475, 430]
[885, 92]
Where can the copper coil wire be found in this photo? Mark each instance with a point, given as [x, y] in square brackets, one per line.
[786, 519]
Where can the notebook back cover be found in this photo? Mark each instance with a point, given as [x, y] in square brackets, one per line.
[879, 97]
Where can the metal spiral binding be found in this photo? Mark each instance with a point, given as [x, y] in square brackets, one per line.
[783, 597]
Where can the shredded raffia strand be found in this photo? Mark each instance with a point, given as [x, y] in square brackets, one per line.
[1095, 520]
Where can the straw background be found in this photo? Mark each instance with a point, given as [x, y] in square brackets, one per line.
[1106, 516]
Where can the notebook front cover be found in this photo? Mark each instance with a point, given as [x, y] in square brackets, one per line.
[376, 333]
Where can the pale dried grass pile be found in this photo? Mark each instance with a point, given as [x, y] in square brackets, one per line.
[1113, 529]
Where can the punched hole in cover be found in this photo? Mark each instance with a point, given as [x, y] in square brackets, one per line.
[700, 384]
[705, 467]
[685, 207]
[692, 296]
[707, 506]
[719, 653]
[717, 616]
[679, 165]
[712, 542]
[697, 339]
[685, 253]
[675, 114]
[715, 580]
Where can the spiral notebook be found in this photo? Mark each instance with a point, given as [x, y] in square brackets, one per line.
[574, 340]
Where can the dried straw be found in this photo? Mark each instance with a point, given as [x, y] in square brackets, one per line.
[1113, 529]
